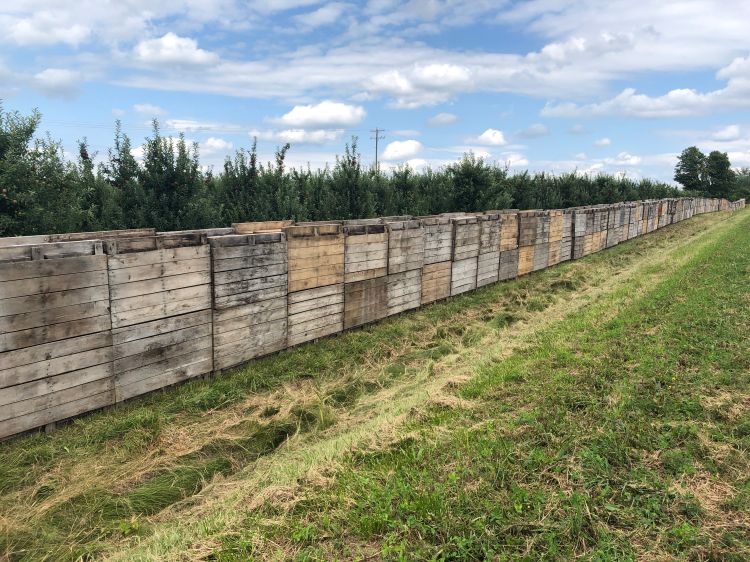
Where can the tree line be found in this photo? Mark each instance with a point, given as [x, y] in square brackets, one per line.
[42, 191]
[711, 175]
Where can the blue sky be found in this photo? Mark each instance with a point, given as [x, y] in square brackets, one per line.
[553, 85]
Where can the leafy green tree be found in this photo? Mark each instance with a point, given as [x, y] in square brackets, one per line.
[690, 171]
[719, 174]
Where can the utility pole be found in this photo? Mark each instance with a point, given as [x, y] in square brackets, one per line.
[376, 138]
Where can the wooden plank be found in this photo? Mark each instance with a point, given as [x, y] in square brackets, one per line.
[160, 341]
[46, 334]
[264, 226]
[242, 299]
[162, 353]
[488, 266]
[17, 322]
[55, 413]
[159, 310]
[157, 256]
[121, 306]
[508, 265]
[463, 275]
[52, 284]
[225, 317]
[165, 378]
[250, 285]
[31, 355]
[365, 301]
[158, 270]
[159, 326]
[150, 286]
[42, 368]
[43, 386]
[235, 275]
[250, 326]
[44, 268]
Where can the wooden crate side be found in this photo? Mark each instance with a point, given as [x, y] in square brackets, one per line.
[405, 246]
[525, 259]
[436, 281]
[316, 256]
[466, 232]
[488, 266]
[315, 313]
[541, 256]
[463, 275]
[489, 233]
[438, 243]
[55, 337]
[366, 252]
[365, 301]
[404, 290]
[249, 297]
[508, 264]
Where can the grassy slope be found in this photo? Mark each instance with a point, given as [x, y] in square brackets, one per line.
[135, 476]
[620, 433]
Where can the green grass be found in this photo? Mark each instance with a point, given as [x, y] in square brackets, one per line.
[620, 433]
[116, 479]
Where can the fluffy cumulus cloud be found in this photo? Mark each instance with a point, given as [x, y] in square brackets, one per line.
[58, 82]
[402, 150]
[171, 49]
[326, 114]
[534, 131]
[728, 133]
[442, 119]
[149, 110]
[490, 137]
[214, 145]
[299, 136]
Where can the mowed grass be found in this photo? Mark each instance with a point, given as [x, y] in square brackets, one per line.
[114, 480]
[620, 433]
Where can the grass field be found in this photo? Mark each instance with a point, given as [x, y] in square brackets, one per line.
[599, 409]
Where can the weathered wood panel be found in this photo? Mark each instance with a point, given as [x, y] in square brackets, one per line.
[366, 252]
[405, 245]
[438, 239]
[249, 296]
[316, 255]
[263, 226]
[315, 313]
[365, 301]
[525, 259]
[55, 335]
[161, 295]
[436, 281]
[527, 228]
[463, 275]
[508, 264]
[488, 266]
[541, 256]
[404, 290]
[466, 231]
[508, 230]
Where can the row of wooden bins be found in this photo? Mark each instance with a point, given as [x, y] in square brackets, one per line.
[86, 323]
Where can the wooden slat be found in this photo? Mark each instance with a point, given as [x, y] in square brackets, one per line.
[45, 268]
[157, 256]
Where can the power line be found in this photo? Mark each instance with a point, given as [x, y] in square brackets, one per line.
[376, 138]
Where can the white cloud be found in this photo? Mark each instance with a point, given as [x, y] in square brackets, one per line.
[58, 82]
[728, 133]
[43, 27]
[214, 145]
[149, 109]
[442, 119]
[603, 142]
[491, 137]
[402, 150]
[624, 159]
[326, 114]
[171, 49]
[299, 136]
[422, 84]
[580, 156]
[534, 131]
[325, 15]
[514, 160]
[192, 126]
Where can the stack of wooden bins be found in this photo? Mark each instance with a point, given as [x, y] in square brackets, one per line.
[508, 245]
[541, 252]
[556, 227]
[55, 336]
[465, 254]
[613, 226]
[76, 236]
[566, 244]
[249, 296]
[488, 262]
[365, 272]
[438, 249]
[160, 291]
[527, 231]
[632, 225]
[603, 216]
[579, 232]
[406, 240]
[316, 280]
